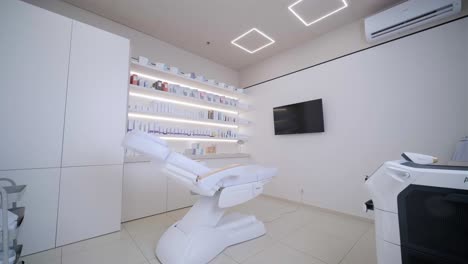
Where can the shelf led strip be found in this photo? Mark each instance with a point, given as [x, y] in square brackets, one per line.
[192, 87]
[179, 120]
[200, 139]
[140, 95]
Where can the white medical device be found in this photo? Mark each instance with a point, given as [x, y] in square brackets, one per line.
[205, 231]
[421, 212]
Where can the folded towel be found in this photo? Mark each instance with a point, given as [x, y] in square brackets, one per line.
[11, 256]
[12, 220]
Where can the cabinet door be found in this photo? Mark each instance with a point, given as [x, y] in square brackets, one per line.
[97, 98]
[41, 201]
[178, 196]
[90, 202]
[35, 47]
[144, 190]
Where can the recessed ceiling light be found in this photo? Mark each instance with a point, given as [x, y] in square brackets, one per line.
[291, 8]
[253, 35]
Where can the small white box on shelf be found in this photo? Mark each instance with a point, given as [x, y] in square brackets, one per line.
[161, 66]
[222, 85]
[240, 90]
[211, 81]
[201, 78]
[174, 70]
[143, 60]
[231, 87]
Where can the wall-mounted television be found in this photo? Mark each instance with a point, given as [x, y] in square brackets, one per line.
[305, 117]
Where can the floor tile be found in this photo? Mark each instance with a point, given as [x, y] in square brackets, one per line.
[323, 246]
[107, 249]
[222, 259]
[147, 232]
[281, 254]
[53, 256]
[152, 224]
[290, 222]
[339, 225]
[154, 261]
[364, 252]
[178, 214]
[242, 251]
[96, 242]
[266, 208]
[295, 234]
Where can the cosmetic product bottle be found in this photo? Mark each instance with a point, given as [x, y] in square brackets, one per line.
[134, 79]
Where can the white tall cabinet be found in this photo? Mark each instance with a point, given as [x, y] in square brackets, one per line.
[35, 46]
[96, 98]
[95, 122]
[63, 100]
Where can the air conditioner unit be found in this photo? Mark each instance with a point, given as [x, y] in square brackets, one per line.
[408, 15]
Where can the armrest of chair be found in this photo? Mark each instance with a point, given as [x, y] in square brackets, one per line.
[211, 173]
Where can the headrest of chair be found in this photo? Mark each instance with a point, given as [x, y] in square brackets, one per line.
[146, 144]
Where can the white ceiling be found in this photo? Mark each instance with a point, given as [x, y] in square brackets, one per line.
[189, 24]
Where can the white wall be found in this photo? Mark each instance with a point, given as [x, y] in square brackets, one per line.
[333, 44]
[407, 95]
[143, 44]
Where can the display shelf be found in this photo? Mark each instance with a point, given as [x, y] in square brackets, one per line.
[201, 138]
[144, 158]
[219, 156]
[151, 72]
[174, 118]
[153, 94]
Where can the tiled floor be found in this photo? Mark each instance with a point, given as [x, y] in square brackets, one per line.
[295, 234]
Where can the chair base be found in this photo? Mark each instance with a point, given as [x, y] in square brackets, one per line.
[202, 243]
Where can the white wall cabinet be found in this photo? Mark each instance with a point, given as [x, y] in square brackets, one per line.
[90, 202]
[144, 190]
[33, 73]
[178, 196]
[41, 202]
[63, 103]
[97, 97]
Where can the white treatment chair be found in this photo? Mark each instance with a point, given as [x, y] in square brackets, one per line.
[205, 231]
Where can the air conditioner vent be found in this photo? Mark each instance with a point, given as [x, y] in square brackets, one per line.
[408, 15]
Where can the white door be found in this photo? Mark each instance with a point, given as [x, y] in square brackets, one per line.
[35, 46]
[40, 199]
[90, 202]
[144, 191]
[96, 109]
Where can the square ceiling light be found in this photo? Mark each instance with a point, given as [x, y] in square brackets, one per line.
[253, 41]
[312, 11]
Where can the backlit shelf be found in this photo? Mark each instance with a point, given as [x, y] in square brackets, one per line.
[176, 119]
[201, 138]
[152, 94]
[154, 73]
[144, 158]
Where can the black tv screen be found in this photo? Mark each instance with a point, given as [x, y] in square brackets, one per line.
[305, 117]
